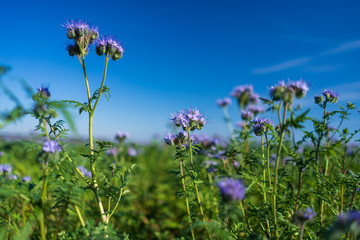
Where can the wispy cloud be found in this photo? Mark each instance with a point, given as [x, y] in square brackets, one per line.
[342, 48]
[282, 66]
[324, 68]
[347, 46]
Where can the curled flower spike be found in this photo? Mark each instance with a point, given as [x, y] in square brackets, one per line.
[286, 92]
[51, 146]
[110, 47]
[223, 102]
[83, 36]
[318, 99]
[330, 95]
[179, 139]
[231, 189]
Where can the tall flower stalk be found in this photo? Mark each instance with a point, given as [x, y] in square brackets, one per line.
[83, 36]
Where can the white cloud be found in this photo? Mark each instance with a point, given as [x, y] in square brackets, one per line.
[342, 48]
[282, 66]
[324, 68]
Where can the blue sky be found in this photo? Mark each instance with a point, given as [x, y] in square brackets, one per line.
[180, 54]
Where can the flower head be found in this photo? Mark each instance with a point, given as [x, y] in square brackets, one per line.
[110, 47]
[259, 125]
[12, 177]
[245, 95]
[179, 139]
[286, 92]
[51, 146]
[189, 119]
[255, 109]
[121, 136]
[132, 152]
[223, 102]
[26, 179]
[112, 152]
[318, 99]
[43, 92]
[82, 34]
[330, 95]
[5, 168]
[301, 217]
[231, 189]
[247, 115]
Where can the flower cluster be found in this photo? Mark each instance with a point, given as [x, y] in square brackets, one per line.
[121, 136]
[112, 152]
[245, 95]
[131, 152]
[5, 168]
[84, 171]
[189, 119]
[285, 92]
[256, 110]
[246, 115]
[223, 102]
[179, 139]
[82, 34]
[51, 146]
[207, 142]
[110, 47]
[260, 125]
[231, 189]
[302, 217]
[43, 92]
[26, 179]
[330, 95]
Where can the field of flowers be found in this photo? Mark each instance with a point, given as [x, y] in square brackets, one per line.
[261, 183]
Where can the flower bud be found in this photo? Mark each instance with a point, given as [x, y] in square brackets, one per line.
[71, 33]
[318, 99]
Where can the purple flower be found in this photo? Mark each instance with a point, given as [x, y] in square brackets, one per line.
[309, 214]
[43, 92]
[223, 102]
[51, 146]
[170, 138]
[121, 136]
[179, 139]
[12, 177]
[110, 47]
[5, 168]
[84, 171]
[231, 189]
[112, 152]
[26, 179]
[245, 95]
[189, 119]
[285, 92]
[256, 110]
[330, 95]
[246, 115]
[210, 163]
[259, 125]
[300, 88]
[132, 152]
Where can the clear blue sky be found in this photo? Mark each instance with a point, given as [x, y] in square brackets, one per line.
[180, 54]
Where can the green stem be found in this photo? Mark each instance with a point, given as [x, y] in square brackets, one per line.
[301, 231]
[318, 159]
[195, 184]
[79, 216]
[186, 198]
[228, 122]
[282, 131]
[102, 83]
[268, 158]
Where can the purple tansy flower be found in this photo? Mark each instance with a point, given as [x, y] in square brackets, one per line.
[84, 171]
[300, 88]
[26, 179]
[246, 115]
[245, 95]
[43, 92]
[110, 47]
[112, 152]
[132, 152]
[169, 138]
[12, 177]
[51, 146]
[231, 189]
[223, 102]
[330, 95]
[354, 217]
[259, 125]
[5, 168]
[121, 136]
[189, 119]
[309, 214]
[256, 110]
